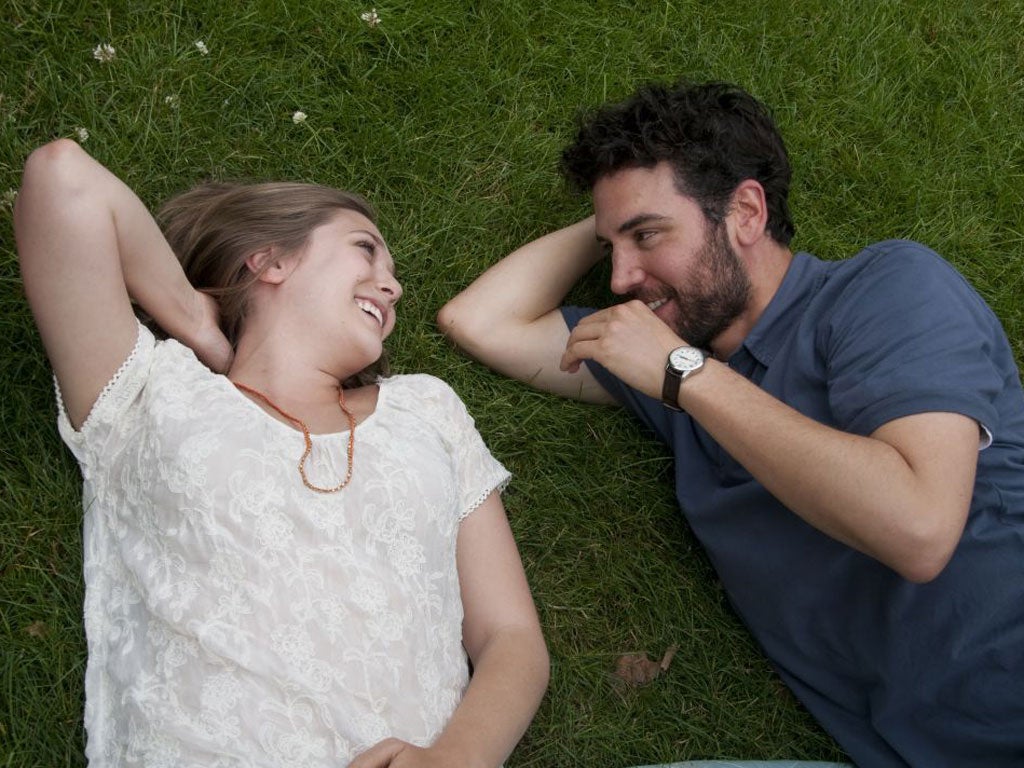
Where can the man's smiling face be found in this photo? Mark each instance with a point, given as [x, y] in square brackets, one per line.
[666, 253]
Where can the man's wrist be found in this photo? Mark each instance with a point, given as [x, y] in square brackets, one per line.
[682, 363]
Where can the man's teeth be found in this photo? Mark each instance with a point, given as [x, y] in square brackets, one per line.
[370, 308]
[653, 305]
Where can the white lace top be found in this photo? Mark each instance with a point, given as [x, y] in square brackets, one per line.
[236, 618]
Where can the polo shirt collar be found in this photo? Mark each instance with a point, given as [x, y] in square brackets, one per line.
[803, 279]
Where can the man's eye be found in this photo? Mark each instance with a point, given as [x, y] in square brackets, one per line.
[644, 234]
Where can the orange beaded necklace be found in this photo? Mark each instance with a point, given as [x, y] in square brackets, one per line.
[309, 441]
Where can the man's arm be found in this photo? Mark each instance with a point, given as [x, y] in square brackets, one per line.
[900, 495]
[509, 320]
[503, 638]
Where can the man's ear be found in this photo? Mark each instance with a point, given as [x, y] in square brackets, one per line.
[268, 266]
[749, 212]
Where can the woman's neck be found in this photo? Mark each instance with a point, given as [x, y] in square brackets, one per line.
[298, 371]
[284, 372]
[309, 395]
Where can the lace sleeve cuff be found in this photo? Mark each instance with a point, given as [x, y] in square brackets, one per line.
[499, 483]
[122, 388]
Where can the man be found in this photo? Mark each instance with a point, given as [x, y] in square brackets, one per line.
[826, 418]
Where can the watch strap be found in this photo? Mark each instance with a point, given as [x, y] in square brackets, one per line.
[670, 388]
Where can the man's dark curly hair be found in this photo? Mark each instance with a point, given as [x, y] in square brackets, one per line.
[715, 135]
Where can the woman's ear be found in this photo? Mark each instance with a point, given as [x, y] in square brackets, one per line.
[268, 266]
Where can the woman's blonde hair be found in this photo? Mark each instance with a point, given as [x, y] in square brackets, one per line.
[214, 227]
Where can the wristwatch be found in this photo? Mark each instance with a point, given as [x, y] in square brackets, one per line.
[682, 363]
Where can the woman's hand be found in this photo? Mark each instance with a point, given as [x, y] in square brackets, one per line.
[207, 340]
[395, 753]
[502, 635]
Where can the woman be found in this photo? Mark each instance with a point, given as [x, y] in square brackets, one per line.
[283, 563]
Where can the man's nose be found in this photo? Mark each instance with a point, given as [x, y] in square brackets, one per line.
[626, 272]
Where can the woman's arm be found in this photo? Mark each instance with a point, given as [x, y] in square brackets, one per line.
[508, 317]
[502, 635]
[88, 247]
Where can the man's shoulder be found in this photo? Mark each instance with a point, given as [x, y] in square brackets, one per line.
[893, 255]
[893, 269]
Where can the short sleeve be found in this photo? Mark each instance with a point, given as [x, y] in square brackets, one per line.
[909, 335]
[114, 400]
[477, 472]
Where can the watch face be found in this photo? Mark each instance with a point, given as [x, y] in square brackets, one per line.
[686, 359]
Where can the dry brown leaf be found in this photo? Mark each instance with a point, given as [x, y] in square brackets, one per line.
[636, 669]
[36, 629]
[670, 653]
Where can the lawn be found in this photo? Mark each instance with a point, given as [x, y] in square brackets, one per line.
[903, 119]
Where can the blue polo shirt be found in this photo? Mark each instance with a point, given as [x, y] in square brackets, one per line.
[898, 673]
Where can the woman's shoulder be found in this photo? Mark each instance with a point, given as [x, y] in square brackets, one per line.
[176, 366]
[116, 396]
[422, 393]
[417, 384]
[155, 374]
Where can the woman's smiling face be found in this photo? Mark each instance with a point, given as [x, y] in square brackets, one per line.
[345, 282]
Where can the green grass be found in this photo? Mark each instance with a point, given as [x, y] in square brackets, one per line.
[903, 119]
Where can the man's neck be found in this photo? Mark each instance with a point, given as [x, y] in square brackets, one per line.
[767, 269]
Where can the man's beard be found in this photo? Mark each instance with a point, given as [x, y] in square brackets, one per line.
[716, 292]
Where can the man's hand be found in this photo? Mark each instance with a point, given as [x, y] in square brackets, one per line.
[627, 339]
[395, 753]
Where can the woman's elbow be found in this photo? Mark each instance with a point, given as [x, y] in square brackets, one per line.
[540, 666]
[55, 162]
[543, 657]
[54, 173]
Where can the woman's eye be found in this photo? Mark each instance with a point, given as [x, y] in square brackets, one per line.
[369, 246]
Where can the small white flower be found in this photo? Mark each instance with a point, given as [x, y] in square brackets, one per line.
[104, 52]
[81, 134]
[9, 196]
[201, 47]
[171, 101]
[299, 117]
[370, 17]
